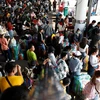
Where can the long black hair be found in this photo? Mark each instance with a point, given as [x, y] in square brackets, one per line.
[83, 42]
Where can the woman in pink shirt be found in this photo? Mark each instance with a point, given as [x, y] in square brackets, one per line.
[4, 46]
[92, 88]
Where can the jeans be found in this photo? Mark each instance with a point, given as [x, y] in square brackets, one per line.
[42, 46]
[7, 54]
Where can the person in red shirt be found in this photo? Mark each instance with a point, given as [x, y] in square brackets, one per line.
[9, 1]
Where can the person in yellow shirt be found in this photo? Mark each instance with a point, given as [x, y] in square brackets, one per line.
[14, 76]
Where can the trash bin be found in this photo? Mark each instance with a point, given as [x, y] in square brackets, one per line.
[65, 11]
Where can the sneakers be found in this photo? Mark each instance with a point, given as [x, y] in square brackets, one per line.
[7, 60]
[12, 60]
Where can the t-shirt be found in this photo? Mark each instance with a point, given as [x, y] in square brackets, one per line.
[94, 61]
[12, 42]
[31, 56]
[9, 26]
[75, 65]
[4, 44]
[14, 80]
[83, 50]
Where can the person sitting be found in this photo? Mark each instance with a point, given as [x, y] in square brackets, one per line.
[14, 76]
[78, 36]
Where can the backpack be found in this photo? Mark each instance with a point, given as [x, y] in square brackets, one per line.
[79, 83]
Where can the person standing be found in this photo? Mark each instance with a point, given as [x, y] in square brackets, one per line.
[31, 55]
[10, 28]
[62, 69]
[41, 42]
[54, 5]
[4, 46]
[89, 28]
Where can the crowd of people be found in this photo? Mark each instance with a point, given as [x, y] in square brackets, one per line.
[26, 35]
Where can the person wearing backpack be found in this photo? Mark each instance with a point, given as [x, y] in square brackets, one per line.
[91, 90]
[14, 76]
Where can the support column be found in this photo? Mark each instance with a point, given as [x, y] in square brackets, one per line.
[81, 10]
[89, 11]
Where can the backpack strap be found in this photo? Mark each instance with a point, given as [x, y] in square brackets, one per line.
[8, 81]
[97, 90]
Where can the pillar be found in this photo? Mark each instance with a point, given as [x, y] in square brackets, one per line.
[81, 10]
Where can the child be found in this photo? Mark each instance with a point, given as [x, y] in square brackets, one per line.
[65, 83]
